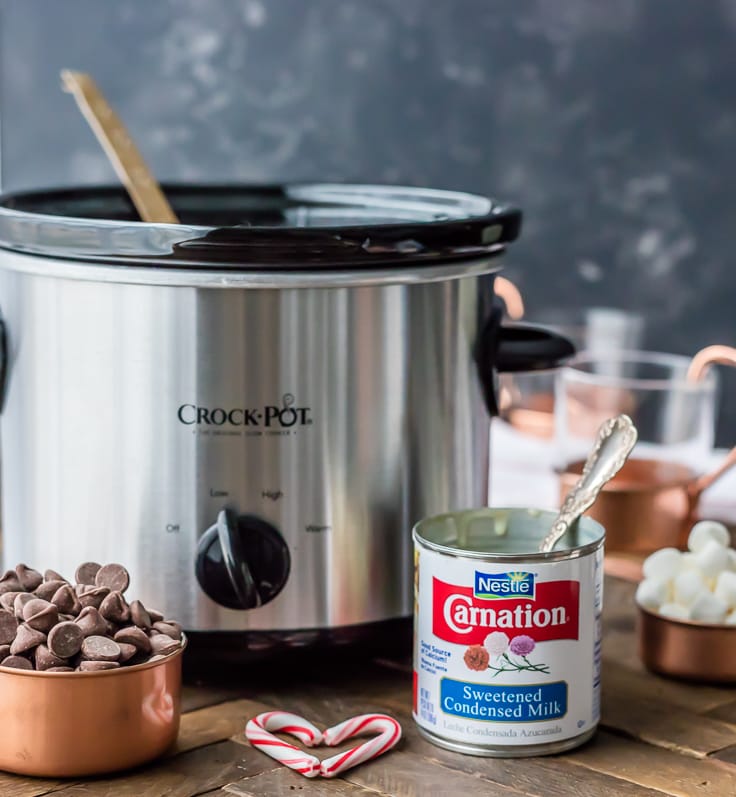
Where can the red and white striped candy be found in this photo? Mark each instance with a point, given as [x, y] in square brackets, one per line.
[257, 732]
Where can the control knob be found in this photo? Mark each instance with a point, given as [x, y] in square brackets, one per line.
[242, 561]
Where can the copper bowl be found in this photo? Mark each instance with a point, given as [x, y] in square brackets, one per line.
[684, 649]
[60, 725]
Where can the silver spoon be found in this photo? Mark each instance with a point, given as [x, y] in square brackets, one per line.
[616, 438]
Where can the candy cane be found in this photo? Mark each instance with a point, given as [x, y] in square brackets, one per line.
[390, 733]
[257, 732]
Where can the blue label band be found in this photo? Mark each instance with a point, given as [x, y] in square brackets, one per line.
[497, 703]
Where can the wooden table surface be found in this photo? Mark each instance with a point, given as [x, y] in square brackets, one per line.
[657, 737]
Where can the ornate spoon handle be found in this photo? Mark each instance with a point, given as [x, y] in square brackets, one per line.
[616, 439]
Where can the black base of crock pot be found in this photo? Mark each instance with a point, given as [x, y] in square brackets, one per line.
[217, 654]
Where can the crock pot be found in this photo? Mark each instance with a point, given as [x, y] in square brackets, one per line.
[252, 408]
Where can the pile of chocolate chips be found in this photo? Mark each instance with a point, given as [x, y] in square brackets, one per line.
[48, 624]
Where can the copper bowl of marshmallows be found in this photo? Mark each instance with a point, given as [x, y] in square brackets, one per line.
[89, 683]
[687, 608]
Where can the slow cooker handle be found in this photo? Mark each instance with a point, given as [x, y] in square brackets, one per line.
[525, 347]
[516, 348]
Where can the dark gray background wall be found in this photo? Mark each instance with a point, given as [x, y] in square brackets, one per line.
[611, 122]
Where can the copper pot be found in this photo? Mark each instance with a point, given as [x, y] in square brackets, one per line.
[648, 504]
[59, 725]
[685, 649]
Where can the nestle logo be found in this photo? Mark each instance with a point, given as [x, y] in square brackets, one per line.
[492, 586]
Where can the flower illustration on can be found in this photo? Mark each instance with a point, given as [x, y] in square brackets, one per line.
[509, 655]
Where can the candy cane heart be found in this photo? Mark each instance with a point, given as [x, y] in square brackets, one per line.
[257, 732]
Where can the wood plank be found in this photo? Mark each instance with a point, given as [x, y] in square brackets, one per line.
[661, 725]
[283, 782]
[728, 754]
[185, 775]
[655, 768]
[626, 685]
[548, 777]
[216, 723]
[726, 711]
[408, 775]
[532, 777]
[196, 696]
[15, 786]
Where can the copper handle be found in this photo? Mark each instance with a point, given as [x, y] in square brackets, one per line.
[511, 297]
[699, 365]
[705, 358]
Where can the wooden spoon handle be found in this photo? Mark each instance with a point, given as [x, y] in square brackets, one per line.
[120, 149]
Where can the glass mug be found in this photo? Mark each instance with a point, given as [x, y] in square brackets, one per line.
[526, 401]
[652, 502]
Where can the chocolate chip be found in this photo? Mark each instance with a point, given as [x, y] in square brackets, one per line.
[134, 636]
[27, 638]
[168, 627]
[41, 615]
[91, 622]
[8, 627]
[126, 651]
[156, 617]
[7, 601]
[86, 573]
[52, 575]
[21, 599]
[60, 669]
[17, 663]
[139, 615]
[65, 640]
[115, 609]
[115, 577]
[100, 648]
[9, 582]
[4, 651]
[45, 659]
[93, 596]
[65, 600]
[48, 589]
[96, 666]
[163, 645]
[29, 578]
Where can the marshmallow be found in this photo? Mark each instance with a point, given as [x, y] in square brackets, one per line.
[687, 586]
[675, 611]
[707, 608]
[652, 593]
[726, 588]
[688, 561]
[732, 558]
[664, 563]
[712, 558]
[705, 531]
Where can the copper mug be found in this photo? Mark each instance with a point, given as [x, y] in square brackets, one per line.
[652, 504]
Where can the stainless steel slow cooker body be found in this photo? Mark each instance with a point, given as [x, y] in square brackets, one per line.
[251, 409]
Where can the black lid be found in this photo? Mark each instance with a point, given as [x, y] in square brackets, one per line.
[296, 226]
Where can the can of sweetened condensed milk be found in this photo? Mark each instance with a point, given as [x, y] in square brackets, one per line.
[507, 640]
